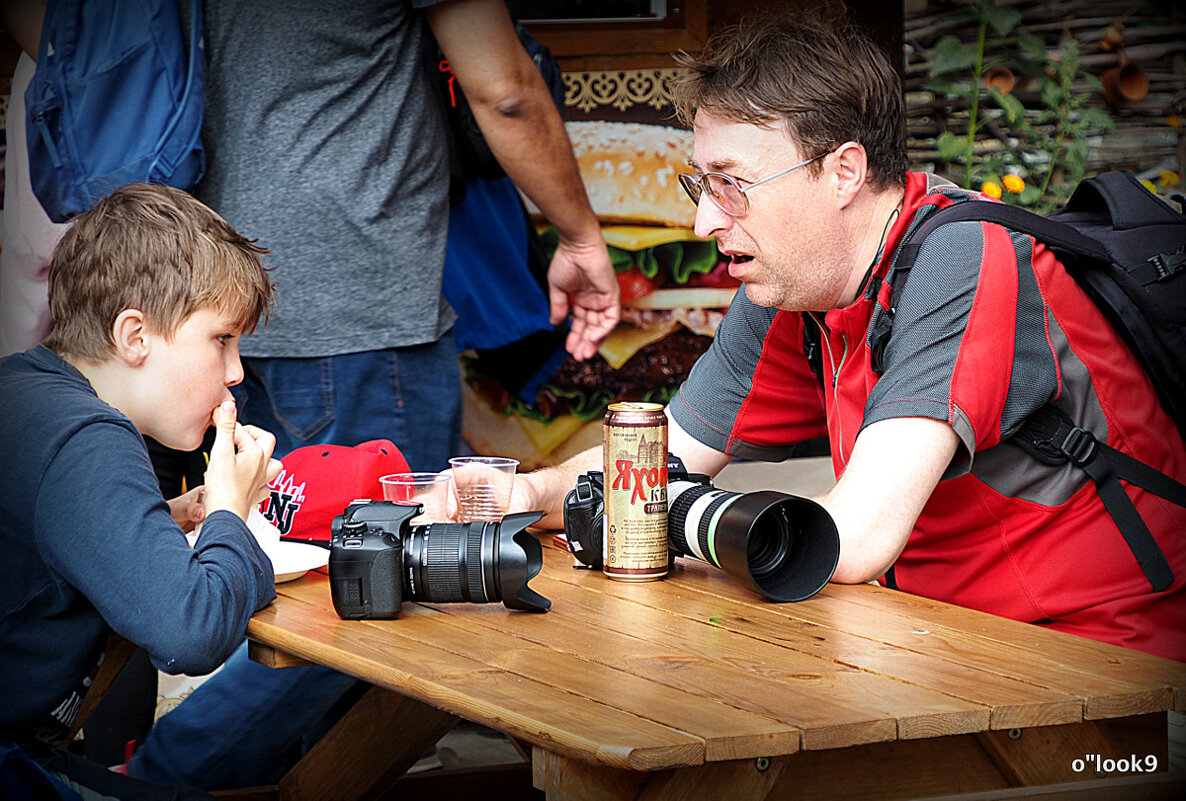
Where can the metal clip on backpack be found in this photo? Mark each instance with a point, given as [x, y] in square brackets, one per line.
[1127, 249]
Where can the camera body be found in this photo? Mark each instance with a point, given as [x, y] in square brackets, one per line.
[366, 559]
[584, 514]
[584, 511]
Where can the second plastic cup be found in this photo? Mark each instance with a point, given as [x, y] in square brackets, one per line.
[428, 489]
[482, 485]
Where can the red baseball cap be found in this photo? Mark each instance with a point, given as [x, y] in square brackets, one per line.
[318, 482]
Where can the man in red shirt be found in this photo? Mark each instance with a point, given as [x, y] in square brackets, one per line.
[801, 176]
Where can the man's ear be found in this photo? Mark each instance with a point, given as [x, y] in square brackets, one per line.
[852, 168]
[131, 337]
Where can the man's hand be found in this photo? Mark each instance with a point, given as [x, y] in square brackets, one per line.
[187, 510]
[240, 464]
[582, 275]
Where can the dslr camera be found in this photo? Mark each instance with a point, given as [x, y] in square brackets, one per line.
[378, 559]
[781, 546]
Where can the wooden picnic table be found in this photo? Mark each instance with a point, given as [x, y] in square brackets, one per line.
[693, 687]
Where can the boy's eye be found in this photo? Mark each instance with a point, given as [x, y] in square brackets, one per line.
[225, 338]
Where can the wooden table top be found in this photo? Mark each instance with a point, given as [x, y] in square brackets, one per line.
[695, 669]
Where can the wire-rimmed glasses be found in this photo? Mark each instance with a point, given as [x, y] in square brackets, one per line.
[725, 191]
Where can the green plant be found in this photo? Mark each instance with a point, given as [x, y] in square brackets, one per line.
[1046, 144]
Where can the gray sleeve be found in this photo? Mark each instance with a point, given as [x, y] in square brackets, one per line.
[751, 394]
[969, 344]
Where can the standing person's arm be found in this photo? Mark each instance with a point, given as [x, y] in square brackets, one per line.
[515, 111]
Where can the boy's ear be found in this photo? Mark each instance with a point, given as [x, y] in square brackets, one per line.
[131, 337]
[852, 165]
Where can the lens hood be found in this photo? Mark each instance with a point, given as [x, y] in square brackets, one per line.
[782, 546]
[520, 558]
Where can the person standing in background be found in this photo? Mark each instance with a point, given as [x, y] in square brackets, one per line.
[322, 133]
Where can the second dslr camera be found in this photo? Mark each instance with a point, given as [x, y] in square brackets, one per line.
[782, 546]
[378, 559]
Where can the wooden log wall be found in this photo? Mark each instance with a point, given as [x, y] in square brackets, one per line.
[1149, 136]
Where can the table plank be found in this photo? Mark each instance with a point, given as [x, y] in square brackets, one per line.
[835, 705]
[728, 732]
[1110, 681]
[377, 652]
[1013, 702]
[1088, 657]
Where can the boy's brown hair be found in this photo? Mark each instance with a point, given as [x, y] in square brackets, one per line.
[824, 84]
[156, 249]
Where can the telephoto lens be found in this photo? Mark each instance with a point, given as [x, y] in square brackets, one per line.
[782, 546]
[479, 562]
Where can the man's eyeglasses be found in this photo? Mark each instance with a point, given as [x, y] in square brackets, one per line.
[726, 191]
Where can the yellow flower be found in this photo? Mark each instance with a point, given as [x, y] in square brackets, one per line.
[991, 188]
[1168, 179]
[1013, 183]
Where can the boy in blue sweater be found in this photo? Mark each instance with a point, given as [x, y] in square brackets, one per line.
[149, 293]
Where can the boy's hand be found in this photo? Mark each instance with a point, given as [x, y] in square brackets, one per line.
[240, 464]
[187, 509]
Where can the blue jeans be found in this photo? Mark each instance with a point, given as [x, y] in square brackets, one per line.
[411, 396]
[243, 727]
[247, 724]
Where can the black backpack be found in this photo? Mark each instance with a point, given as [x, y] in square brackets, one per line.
[469, 154]
[1127, 249]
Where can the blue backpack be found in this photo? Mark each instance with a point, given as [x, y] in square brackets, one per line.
[114, 100]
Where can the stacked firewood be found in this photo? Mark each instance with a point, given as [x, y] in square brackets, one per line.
[1147, 38]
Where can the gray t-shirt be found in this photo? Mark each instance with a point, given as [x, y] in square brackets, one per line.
[325, 143]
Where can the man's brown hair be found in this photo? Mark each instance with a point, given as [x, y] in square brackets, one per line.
[824, 84]
[156, 249]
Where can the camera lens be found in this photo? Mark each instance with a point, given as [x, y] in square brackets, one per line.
[779, 545]
[768, 545]
[479, 562]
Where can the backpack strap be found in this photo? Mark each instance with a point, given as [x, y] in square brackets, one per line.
[1048, 434]
[1063, 239]
[1055, 235]
[1050, 437]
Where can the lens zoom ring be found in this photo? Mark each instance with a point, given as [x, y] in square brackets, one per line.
[444, 583]
[677, 518]
[473, 565]
[706, 532]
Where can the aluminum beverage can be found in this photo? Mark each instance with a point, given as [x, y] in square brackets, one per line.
[635, 492]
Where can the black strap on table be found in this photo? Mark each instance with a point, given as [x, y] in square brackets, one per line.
[1050, 436]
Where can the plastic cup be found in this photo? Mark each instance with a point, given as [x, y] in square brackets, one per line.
[482, 485]
[429, 489]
